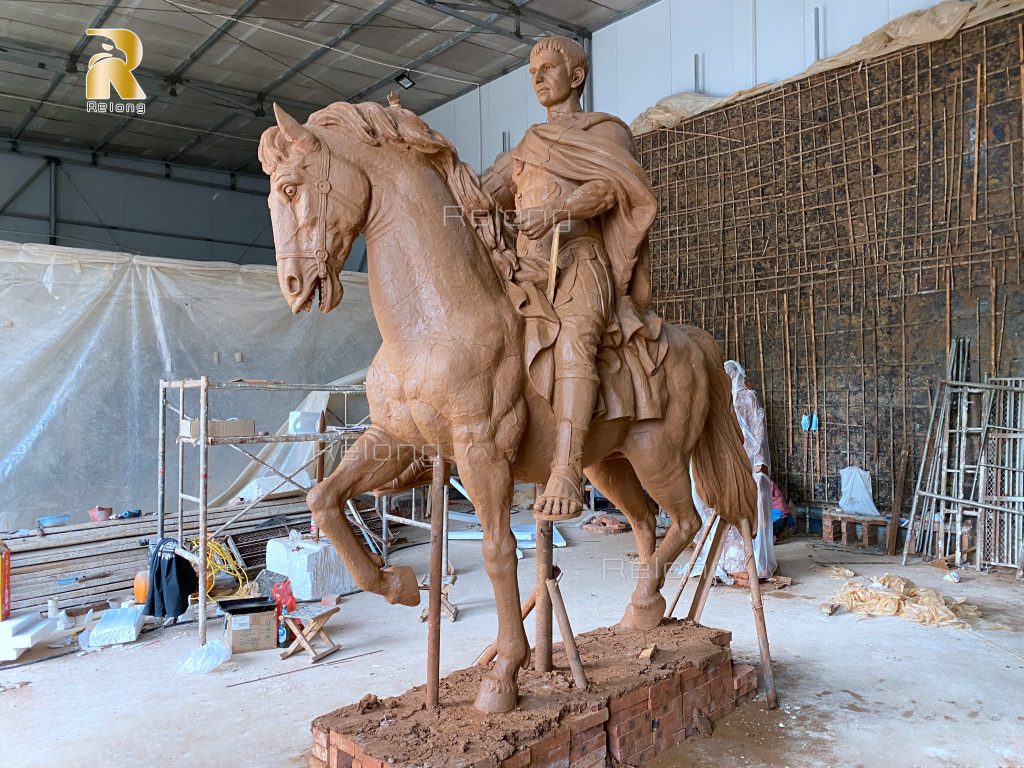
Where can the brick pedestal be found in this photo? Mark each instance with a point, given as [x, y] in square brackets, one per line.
[636, 716]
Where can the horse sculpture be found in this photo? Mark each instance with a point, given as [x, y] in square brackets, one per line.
[449, 376]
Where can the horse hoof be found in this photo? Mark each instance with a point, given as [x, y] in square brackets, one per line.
[400, 585]
[495, 697]
[644, 618]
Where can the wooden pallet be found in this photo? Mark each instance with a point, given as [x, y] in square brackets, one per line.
[87, 563]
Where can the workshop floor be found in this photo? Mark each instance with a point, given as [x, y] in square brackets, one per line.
[854, 692]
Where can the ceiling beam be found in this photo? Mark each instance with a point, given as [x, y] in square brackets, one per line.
[71, 64]
[51, 60]
[179, 70]
[201, 136]
[478, 24]
[284, 77]
[538, 19]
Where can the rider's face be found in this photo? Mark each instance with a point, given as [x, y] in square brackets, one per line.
[551, 78]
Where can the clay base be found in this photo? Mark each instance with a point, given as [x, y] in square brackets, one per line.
[631, 711]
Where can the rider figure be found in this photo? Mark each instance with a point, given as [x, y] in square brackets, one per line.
[542, 184]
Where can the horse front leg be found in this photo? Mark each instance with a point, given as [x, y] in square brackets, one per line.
[487, 476]
[374, 460]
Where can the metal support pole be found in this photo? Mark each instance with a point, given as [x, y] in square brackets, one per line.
[542, 625]
[565, 630]
[204, 488]
[385, 533]
[54, 162]
[446, 566]
[161, 468]
[434, 605]
[771, 696]
[321, 427]
[181, 468]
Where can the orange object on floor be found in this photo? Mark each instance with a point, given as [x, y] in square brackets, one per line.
[141, 587]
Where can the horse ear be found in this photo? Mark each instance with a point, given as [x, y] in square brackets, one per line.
[294, 131]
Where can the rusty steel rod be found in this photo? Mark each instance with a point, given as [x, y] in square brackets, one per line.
[542, 625]
[434, 605]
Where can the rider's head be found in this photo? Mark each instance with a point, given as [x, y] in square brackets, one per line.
[558, 69]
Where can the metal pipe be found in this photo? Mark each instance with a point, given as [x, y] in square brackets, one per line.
[434, 605]
[53, 163]
[204, 488]
[161, 462]
[181, 467]
[542, 625]
[23, 186]
[568, 640]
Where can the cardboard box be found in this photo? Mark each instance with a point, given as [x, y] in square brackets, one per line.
[5, 581]
[219, 428]
[250, 626]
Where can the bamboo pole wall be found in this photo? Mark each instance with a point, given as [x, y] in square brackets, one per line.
[836, 232]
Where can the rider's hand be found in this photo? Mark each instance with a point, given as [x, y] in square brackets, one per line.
[535, 222]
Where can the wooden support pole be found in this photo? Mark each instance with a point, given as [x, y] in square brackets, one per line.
[491, 651]
[434, 605]
[772, 697]
[698, 546]
[707, 575]
[568, 640]
[542, 631]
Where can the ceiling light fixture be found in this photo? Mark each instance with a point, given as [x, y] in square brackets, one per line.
[405, 81]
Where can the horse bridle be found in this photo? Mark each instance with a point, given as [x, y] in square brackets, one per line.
[325, 191]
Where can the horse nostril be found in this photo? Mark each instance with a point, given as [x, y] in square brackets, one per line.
[294, 285]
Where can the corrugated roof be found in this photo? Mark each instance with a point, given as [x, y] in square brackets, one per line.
[211, 68]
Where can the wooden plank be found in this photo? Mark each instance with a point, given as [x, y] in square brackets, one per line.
[891, 533]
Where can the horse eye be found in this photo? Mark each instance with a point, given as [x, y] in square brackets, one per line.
[290, 190]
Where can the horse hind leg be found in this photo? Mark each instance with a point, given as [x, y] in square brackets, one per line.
[617, 481]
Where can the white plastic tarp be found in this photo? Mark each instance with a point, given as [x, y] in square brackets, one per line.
[85, 337]
[750, 416]
[855, 492]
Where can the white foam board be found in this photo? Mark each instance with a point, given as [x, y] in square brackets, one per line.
[18, 622]
[31, 635]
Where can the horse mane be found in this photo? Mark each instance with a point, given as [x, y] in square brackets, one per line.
[376, 125]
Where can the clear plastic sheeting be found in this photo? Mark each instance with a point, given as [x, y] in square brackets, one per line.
[85, 337]
[855, 492]
[257, 480]
[939, 22]
[750, 416]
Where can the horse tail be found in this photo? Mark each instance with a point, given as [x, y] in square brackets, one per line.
[722, 471]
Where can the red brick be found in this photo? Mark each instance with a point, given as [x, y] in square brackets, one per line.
[640, 695]
[669, 686]
[365, 761]
[723, 638]
[519, 759]
[319, 751]
[551, 758]
[345, 744]
[552, 741]
[320, 736]
[596, 742]
[593, 760]
[338, 758]
[587, 721]
[579, 737]
[687, 674]
[316, 762]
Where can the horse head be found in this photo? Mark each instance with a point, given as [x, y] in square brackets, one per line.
[318, 204]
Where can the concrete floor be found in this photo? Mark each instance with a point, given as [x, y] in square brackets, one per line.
[854, 692]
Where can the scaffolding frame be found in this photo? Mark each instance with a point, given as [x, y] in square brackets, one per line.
[326, 442]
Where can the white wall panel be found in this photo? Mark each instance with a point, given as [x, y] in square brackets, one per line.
[604, 69]
[644, 59]
[780, 27]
